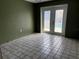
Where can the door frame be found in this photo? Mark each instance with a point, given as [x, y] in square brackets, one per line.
[55, 7]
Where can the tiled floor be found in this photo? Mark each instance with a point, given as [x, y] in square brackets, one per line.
[41, 46]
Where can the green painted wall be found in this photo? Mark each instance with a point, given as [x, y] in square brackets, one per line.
[14, 16]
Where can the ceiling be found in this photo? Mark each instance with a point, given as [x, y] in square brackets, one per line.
[37, 1]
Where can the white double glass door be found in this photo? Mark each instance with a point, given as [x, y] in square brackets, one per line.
[53, 19]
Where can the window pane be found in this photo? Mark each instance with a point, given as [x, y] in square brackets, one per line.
[47, 20]
[58, 21]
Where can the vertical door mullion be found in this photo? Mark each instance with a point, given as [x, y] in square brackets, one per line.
[52, 20]
[43, 20]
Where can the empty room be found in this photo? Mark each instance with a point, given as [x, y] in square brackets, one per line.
[39, 29]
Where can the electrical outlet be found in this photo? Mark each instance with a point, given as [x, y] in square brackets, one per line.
[21, 30]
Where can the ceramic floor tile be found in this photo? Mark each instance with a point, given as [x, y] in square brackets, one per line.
[41, 46]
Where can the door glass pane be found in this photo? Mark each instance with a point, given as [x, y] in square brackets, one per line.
[58, 21]
[47, 20]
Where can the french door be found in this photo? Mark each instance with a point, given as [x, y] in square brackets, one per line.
[53, 19]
